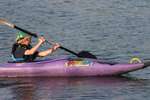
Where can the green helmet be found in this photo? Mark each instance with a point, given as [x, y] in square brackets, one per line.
[21, 35]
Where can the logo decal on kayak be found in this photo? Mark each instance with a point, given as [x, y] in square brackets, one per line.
[78, 63]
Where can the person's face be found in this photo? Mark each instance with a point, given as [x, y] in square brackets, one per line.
[26, 40]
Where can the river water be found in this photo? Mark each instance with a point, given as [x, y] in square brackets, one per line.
[113, 30]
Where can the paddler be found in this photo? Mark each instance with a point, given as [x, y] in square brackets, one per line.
[22, 51]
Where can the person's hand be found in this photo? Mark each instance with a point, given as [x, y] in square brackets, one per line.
[56, 45]
[41, 39]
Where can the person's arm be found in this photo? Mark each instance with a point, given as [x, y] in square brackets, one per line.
[34, 49]
[49, 51]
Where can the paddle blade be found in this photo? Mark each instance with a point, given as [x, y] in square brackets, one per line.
[86, 54]
[4, 22]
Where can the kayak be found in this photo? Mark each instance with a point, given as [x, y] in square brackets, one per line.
[67, 67]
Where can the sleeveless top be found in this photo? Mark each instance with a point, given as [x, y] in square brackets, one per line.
[18, 53]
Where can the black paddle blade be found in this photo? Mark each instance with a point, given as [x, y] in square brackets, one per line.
[86, 54]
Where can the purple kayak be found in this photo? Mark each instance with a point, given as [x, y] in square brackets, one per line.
[66, 67]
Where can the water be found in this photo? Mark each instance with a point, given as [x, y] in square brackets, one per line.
[110, 88]
[114, 30]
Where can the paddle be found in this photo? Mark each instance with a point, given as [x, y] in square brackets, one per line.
[82, 54]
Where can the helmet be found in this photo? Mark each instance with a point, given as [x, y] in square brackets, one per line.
[21, 35]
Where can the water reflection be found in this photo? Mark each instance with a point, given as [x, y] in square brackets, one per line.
[72, 88]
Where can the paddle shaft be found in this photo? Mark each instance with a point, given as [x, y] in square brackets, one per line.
[32, 34]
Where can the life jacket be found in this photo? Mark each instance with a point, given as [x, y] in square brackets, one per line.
[18, 53]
